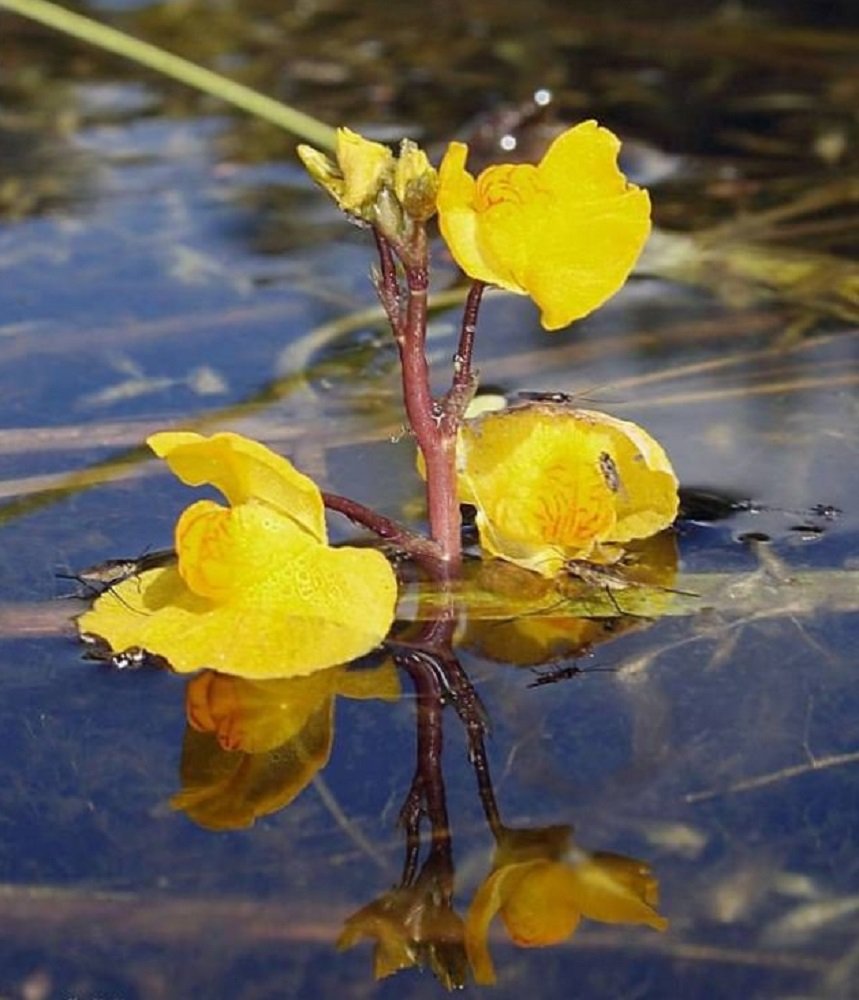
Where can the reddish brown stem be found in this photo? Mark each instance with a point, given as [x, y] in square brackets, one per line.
[464, 378]
[422, 549]
[387, 282]
[437, 442]
[435, 435]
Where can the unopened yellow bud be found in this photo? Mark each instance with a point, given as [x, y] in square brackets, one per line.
[363, 169]
[388, 215]
[415, 182]
[366, 167]
[323, 170]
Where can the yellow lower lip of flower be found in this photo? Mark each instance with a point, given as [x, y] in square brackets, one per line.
[258, 635]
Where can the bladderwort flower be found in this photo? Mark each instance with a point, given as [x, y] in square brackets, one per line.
[566, 232]
[257, 591]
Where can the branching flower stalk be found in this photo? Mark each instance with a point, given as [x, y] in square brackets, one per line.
[434, 421]
[395, 197]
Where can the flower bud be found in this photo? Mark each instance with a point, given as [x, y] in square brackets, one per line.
[415, 182]
[362, 171]
[367, 168]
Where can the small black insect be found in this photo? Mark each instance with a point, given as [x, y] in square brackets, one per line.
[546, 397]
[106, 575]
[560, 672]
[608, 468]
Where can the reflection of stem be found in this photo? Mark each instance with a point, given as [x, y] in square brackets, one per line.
[423, 660]
[480, 763]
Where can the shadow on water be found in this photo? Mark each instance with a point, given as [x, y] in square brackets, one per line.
[167, 264]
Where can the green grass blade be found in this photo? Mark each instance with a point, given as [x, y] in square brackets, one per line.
[296, 122]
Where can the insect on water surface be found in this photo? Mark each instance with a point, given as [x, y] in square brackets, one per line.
[546, 397]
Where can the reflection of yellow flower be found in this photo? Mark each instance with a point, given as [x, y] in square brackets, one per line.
[257, 591]
[534, 621]
[252, 746]
[541, 896]
[552, 483]
[411, 927]
[566, 232]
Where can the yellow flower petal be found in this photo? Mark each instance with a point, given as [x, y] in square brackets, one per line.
[244, 471]
[458, 220]
[256, 592]
[233, 552]
[566, 232]
[322, 608]
[552, 483]
[323, 170]
[415, 182]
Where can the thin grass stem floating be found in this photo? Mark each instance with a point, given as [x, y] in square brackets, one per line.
[297, 123]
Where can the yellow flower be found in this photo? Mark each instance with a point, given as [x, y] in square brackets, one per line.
[253, 746]
[552, 483]
[257, 591]
[543, 891]
[566, 232]
[362, 169]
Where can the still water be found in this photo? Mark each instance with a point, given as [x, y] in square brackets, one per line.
[166, 264]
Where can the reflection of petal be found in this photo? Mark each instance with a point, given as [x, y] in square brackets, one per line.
[384, 922]
[615, 889]
[411, 926]
[542, 889]
[227, 791]
[540, 907]
[252, 746]
[534, 620]
[487, 902]
[258, 716]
